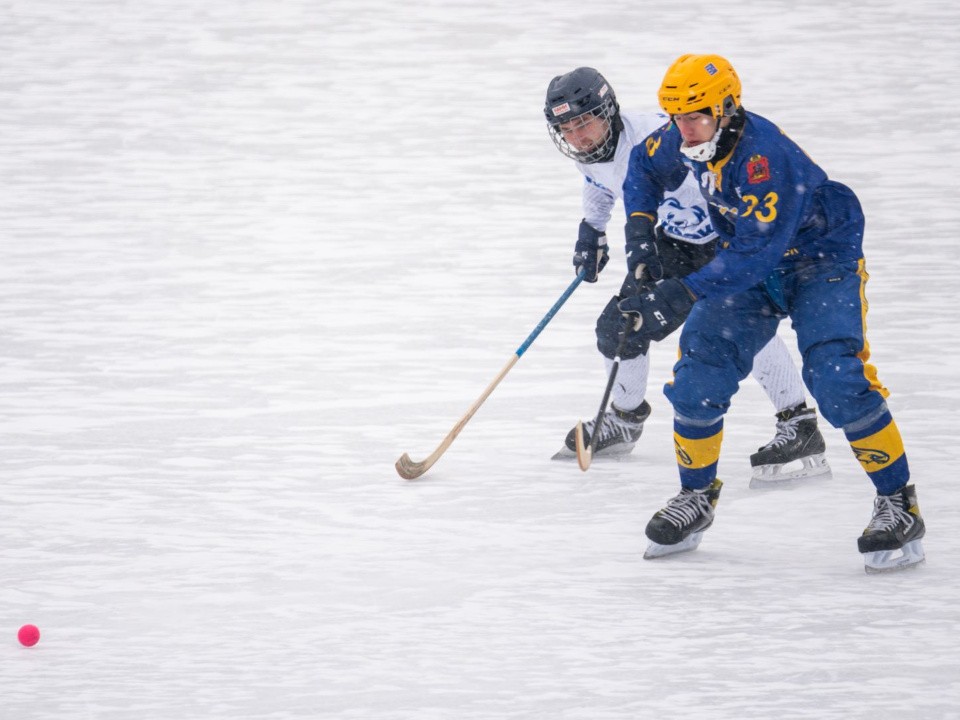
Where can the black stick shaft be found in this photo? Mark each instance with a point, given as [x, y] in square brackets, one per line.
[606, 393]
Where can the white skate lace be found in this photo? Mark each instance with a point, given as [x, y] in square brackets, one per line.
[887, 513]
[686, 507]
[612, 425]
[786, 431]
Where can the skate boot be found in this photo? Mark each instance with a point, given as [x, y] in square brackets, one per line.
[892, 539]
[619, 432]
[679, 526]
[795, 452]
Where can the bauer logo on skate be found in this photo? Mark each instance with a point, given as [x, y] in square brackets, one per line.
[868, 456]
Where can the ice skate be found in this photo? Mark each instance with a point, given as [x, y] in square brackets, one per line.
[619, 432]
[680, 525]
[795, 453]
[892, 539]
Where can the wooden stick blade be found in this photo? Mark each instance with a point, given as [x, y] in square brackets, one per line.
[584, 452]
[408, 469]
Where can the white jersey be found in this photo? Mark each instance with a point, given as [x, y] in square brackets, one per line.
[683, 212]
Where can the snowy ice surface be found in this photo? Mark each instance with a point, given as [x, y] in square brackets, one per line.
[251, 252]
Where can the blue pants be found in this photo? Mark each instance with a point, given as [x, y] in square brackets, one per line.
[827, 307]
[825, 303]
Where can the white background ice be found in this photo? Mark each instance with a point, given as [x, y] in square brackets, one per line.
[250, 252]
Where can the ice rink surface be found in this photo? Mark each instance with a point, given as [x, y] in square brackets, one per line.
[251, 252]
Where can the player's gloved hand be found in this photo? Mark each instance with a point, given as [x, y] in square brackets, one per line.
[642, 248]
[657, 310]
[631, 285]
[590, 252]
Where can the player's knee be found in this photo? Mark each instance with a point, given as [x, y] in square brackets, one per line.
[696, 406]
[838, 383]
[608, 344]
[699, 391]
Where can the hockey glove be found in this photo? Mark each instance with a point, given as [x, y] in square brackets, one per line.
[657, 310]
[630, 287]
[642, 248]
[590, 252]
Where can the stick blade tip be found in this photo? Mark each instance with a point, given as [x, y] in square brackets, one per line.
[407, 468]
[584, 453]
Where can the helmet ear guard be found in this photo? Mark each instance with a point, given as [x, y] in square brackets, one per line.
[729, 106]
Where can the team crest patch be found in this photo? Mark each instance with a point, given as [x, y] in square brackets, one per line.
[758, 169]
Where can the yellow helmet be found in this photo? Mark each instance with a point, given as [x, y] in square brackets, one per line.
[697, 82]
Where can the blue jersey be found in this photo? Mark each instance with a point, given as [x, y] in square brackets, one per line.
[768, 201]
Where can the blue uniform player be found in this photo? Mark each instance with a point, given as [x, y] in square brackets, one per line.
[790, 246]
[588, 126]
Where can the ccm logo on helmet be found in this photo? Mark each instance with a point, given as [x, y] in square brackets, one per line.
[560, 109]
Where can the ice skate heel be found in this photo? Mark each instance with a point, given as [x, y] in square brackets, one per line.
[892, 540]
[680, 525]
[795, 453]
[656, 550]
[881, 561]
[778, 474]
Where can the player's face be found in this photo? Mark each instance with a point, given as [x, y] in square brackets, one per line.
[695, 127]
[585, 133]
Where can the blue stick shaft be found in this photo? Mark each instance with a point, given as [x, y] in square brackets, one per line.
[550, 313]
[408, 468]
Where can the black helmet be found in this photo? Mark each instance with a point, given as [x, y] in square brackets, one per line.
[574, 98]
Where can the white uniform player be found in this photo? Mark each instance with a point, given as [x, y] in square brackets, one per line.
[588, 126]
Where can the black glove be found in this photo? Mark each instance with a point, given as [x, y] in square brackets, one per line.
[657, 310]
[590, 252]
[642, 248]
[630, 287]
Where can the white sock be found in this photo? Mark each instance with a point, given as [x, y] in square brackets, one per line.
[773, 368]
[630, 387]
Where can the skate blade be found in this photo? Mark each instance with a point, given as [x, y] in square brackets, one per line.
[882, 561]
[656, 550]
[615, 452]
[768, 476]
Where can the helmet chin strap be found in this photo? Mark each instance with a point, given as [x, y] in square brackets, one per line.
[704, 151]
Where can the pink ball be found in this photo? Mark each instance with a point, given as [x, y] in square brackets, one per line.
[29, 635]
